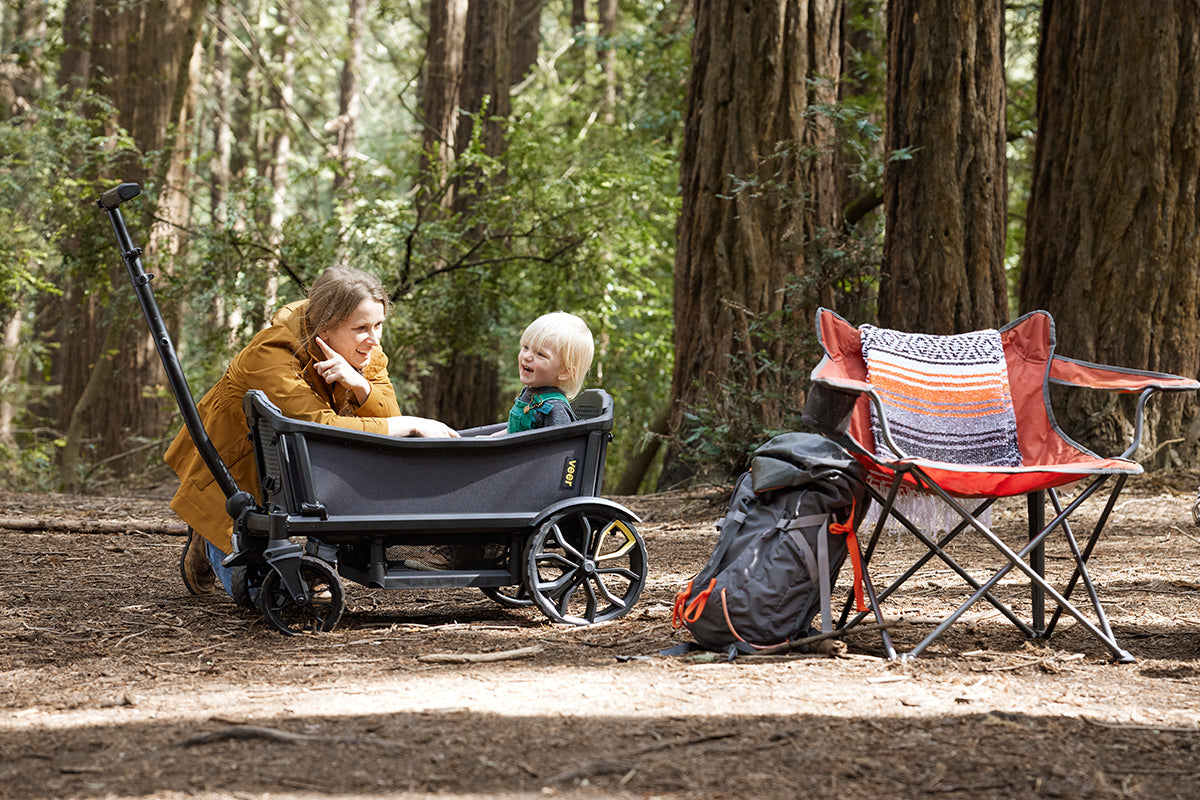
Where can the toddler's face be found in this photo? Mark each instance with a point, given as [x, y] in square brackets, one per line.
[540, 367]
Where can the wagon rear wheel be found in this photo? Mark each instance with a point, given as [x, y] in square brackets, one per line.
[323, 608]
[585, 566]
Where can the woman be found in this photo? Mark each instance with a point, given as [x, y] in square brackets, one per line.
[319, 361]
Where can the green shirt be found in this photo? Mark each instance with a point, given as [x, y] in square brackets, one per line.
[539, 408]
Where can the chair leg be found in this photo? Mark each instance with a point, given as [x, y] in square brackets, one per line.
[1081, 559]
[1036, 512]
[1017, 559]
[933, 549]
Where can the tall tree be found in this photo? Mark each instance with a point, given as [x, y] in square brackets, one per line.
[346, 124]
[461, 388]
[137, 55]
[943, 255]
[754, 195]
[1113, 237]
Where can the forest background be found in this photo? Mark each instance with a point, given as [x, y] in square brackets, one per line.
[693, 177]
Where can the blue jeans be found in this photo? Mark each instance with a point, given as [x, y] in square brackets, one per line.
[224, 574]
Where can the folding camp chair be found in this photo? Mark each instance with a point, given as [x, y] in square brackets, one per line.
[927, 400]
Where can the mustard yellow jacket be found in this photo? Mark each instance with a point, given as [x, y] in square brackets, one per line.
[276, 363]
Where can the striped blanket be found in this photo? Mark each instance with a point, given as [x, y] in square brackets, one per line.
[946, 397]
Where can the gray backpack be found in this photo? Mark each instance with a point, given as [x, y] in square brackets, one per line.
[782, 542]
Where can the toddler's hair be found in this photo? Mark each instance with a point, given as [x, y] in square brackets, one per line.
[569, 335]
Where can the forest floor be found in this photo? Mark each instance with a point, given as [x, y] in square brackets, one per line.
[116, 683]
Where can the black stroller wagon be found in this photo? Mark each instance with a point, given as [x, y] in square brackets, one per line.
[519, 516]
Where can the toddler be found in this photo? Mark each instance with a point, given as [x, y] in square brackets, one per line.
[556, 352]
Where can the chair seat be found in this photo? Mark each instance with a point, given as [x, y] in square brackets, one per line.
[966, 480]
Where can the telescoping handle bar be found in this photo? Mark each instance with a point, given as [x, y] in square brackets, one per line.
[236, 500]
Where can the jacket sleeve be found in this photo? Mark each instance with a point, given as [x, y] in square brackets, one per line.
[270, 365]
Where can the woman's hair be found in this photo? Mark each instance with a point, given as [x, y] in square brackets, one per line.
[335, 295]
[569, 335]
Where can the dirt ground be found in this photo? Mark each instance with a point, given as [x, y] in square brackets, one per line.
[116, 683]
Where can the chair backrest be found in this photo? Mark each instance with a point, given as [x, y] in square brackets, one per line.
[946, 398]
[1028, 344]
[591, 404]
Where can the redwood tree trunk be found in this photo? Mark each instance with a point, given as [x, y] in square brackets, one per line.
[143, 51]
[943, 254]
[1112, 247]
[752, 199]
[464, 390]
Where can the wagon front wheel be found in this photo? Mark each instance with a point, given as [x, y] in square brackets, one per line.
[319, 613]
[585, 566]
[509, 596]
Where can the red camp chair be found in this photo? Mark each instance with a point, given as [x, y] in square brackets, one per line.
[911, 404]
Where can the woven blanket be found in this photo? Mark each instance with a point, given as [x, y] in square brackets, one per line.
[946, 397]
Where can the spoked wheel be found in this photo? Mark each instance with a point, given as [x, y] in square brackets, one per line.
[326, 599]
[585, 566]
[509, 596]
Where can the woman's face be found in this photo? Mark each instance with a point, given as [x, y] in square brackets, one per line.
[358, 336]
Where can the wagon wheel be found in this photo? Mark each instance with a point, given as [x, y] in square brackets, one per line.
[509, 596]
[245, 584]
[585, 566]
[326, 599]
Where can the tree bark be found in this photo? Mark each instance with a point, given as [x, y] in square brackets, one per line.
[346, 125]
[441, 89]
[464, 390]
[754, 197]
[526, 39]
[1112, 247]
[606, 16]
[10, 375]
[943, 253]
[143, 51]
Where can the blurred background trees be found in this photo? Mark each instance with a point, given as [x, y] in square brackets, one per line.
[693, 177]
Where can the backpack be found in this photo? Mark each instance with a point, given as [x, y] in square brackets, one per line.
[781, 544]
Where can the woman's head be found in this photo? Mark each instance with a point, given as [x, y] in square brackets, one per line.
[556, 350]
[346, 307]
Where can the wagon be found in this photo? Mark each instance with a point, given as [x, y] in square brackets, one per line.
[519, 517]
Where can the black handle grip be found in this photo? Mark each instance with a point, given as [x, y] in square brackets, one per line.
[118, 194]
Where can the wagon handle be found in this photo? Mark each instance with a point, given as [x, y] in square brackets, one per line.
[236, 499]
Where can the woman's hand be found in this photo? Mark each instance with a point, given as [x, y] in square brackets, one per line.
[420, 426]
[335, 369]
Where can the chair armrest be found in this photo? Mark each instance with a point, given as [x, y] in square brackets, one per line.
[1070, 372]
[831, 402]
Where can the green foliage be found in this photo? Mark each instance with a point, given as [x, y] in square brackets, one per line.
[51, 158]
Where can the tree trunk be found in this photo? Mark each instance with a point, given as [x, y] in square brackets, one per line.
[606, 16]
[754, 198]
[143, 51]
[10, 376]
[222, 88]
[21, 77]
[281, 150]
[526, 38]
[1112, 247]
[346, 125]
[465, 390]
[943, 254]
[441, 92]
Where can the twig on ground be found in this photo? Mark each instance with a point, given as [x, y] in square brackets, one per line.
[91, 526]
[274, 735]
[479, 658]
